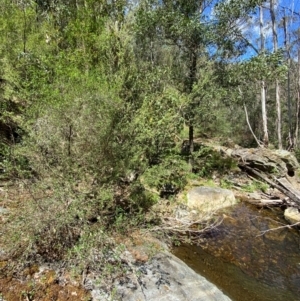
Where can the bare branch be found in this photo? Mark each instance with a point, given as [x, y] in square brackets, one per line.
[278, 228]
[182, 227]
[248, 122]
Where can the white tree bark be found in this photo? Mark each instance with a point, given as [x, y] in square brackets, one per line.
[277, 87]
[298, 104]
[263, 86]
[287, 49]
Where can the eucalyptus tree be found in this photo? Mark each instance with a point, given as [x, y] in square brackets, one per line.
[197, 33]
[177, 25]
[290, 25]
[264, 65]
[263, 84]
[277, 87]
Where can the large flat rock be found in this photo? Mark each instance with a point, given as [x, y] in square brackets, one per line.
[210, 199]
[280, 162]
[167, 278]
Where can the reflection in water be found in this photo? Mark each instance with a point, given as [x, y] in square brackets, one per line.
[245, 264]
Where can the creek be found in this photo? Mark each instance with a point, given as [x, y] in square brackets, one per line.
[244, 263]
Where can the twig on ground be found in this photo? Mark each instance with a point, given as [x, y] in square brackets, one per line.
[186, 226]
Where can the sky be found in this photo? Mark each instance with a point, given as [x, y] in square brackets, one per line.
[251, 28]
[284, 7]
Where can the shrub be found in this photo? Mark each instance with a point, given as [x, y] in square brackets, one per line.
[168, 177]
[207, 160]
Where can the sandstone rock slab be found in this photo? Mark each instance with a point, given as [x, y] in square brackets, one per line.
[167, 278]
[210, 199]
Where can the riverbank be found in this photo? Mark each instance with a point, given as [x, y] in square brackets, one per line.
[83, 258]
[137, 264]
[246, 258]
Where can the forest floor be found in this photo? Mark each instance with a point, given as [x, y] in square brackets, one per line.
[34, 282]
[45, 283]
[48, 282]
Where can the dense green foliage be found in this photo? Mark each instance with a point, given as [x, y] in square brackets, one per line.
[97, 98]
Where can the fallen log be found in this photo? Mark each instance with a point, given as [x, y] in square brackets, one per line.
[285, 190]
[287, 185]
[266, 203]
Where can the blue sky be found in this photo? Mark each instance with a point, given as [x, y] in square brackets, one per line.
[251, 30]
[286, 8]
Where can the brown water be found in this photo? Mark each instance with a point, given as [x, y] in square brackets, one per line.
[243, 263]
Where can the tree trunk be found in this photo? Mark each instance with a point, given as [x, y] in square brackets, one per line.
[286, 45]
[191, 145]
[278, 109]
[277, 88]
[264, 114]
[189, 87]
[298, 104]
[250, 128]
[263, 87]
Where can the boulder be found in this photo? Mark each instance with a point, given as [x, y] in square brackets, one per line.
[210, 199]
[289, 159]
[292, 215]
[280, 162]
[166, 278]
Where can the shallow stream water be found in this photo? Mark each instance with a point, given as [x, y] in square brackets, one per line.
[246, 264]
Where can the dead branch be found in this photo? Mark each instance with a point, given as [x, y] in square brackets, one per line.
[284, 190]
[266, 203]
[250, 128]
[186, 226]
[278, 228]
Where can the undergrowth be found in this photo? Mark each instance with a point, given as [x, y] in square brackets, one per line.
[71, 217]
[208, 160]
